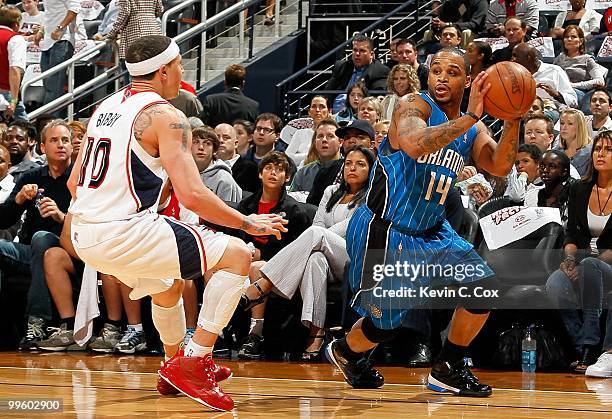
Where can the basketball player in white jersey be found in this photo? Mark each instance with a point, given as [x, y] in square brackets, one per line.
[135, 141]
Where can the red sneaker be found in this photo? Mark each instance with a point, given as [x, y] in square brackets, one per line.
[194, 377]
[221, 372]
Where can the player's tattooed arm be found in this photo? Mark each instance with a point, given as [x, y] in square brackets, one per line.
[507, 148]
[183, 125]
[411, 131]
[496, 158]
[145, 120]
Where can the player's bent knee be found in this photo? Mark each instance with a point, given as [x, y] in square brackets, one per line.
[169, 322]
[171, 296]
[374, 334]
[481, 296]
[236, 258]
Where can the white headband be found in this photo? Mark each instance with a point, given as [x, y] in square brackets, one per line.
[154, 63]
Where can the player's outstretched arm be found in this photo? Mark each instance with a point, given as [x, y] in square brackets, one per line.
[170, 129]
[409, 128]
[497, 158]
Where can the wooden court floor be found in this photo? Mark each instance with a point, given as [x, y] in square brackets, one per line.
[99, 386]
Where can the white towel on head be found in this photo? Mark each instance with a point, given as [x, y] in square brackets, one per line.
[87, 307]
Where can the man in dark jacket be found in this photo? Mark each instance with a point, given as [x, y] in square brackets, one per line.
[362, 67]
[232, 104]
[275, 171]
[43, 195]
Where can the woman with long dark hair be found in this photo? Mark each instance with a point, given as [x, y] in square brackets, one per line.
[318, 254]
[584, 277]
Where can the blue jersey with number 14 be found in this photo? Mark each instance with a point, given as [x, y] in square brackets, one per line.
[411, 193]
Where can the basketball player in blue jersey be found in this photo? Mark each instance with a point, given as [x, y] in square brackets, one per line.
[403, 226]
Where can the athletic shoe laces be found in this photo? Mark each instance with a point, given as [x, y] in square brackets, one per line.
[131, 336]
[35, 330]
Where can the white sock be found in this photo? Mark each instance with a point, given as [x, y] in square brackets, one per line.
[256, 327]
[193, 349]
[136, 327]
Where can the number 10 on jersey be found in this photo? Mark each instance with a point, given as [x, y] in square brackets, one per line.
[444, 184]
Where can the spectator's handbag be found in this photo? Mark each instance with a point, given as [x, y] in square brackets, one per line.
[508, 353]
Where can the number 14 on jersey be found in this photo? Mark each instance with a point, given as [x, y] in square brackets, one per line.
[443, 186]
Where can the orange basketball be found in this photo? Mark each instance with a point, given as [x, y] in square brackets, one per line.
[512, 92]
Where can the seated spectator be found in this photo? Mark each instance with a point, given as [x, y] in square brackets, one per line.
[554, 171]
[585, 272]
[265, 137]
[31, 19]
[407, 54]
[324, 150]
[44, 197]
[449, 37]
[361, 67]
[232, 104]
[77, 133]
[515, 31]
[244, 171]
[552, 82]
[370, 110]
[500, 10]
[599, 120]
[381, 129]
[216, 174]
[355, 93]
[244, 135]
[275, 172]
[524, 175]
[302, 138]
[401, 81]
[108, 21]
[587, 19]
[479, 56]
[21, 136]
[324, 245]
[574, 140]
[357, 132]
[584, 73]
[468, 15]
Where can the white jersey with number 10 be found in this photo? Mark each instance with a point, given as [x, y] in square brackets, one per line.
[118, 178]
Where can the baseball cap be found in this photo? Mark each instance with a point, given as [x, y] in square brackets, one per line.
[359, 125]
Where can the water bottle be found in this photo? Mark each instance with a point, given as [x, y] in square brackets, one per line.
[529, 351]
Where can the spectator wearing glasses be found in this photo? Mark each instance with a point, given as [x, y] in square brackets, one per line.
[515, 32]
[500, 10]
[266, 137]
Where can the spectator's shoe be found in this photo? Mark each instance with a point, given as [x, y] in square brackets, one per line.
[61, 339]
[221, 373]
[421, 358]
[602, 368]
[188, 335]
[195, 378]
[132, 341]
[108, 339]
[251, 347]
[456, 379]
[358, 374]
[36, 332]
[269, 20]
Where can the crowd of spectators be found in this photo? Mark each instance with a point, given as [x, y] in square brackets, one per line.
[313, 169]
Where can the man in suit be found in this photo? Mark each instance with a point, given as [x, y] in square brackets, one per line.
[232, 104]
[362, 67]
